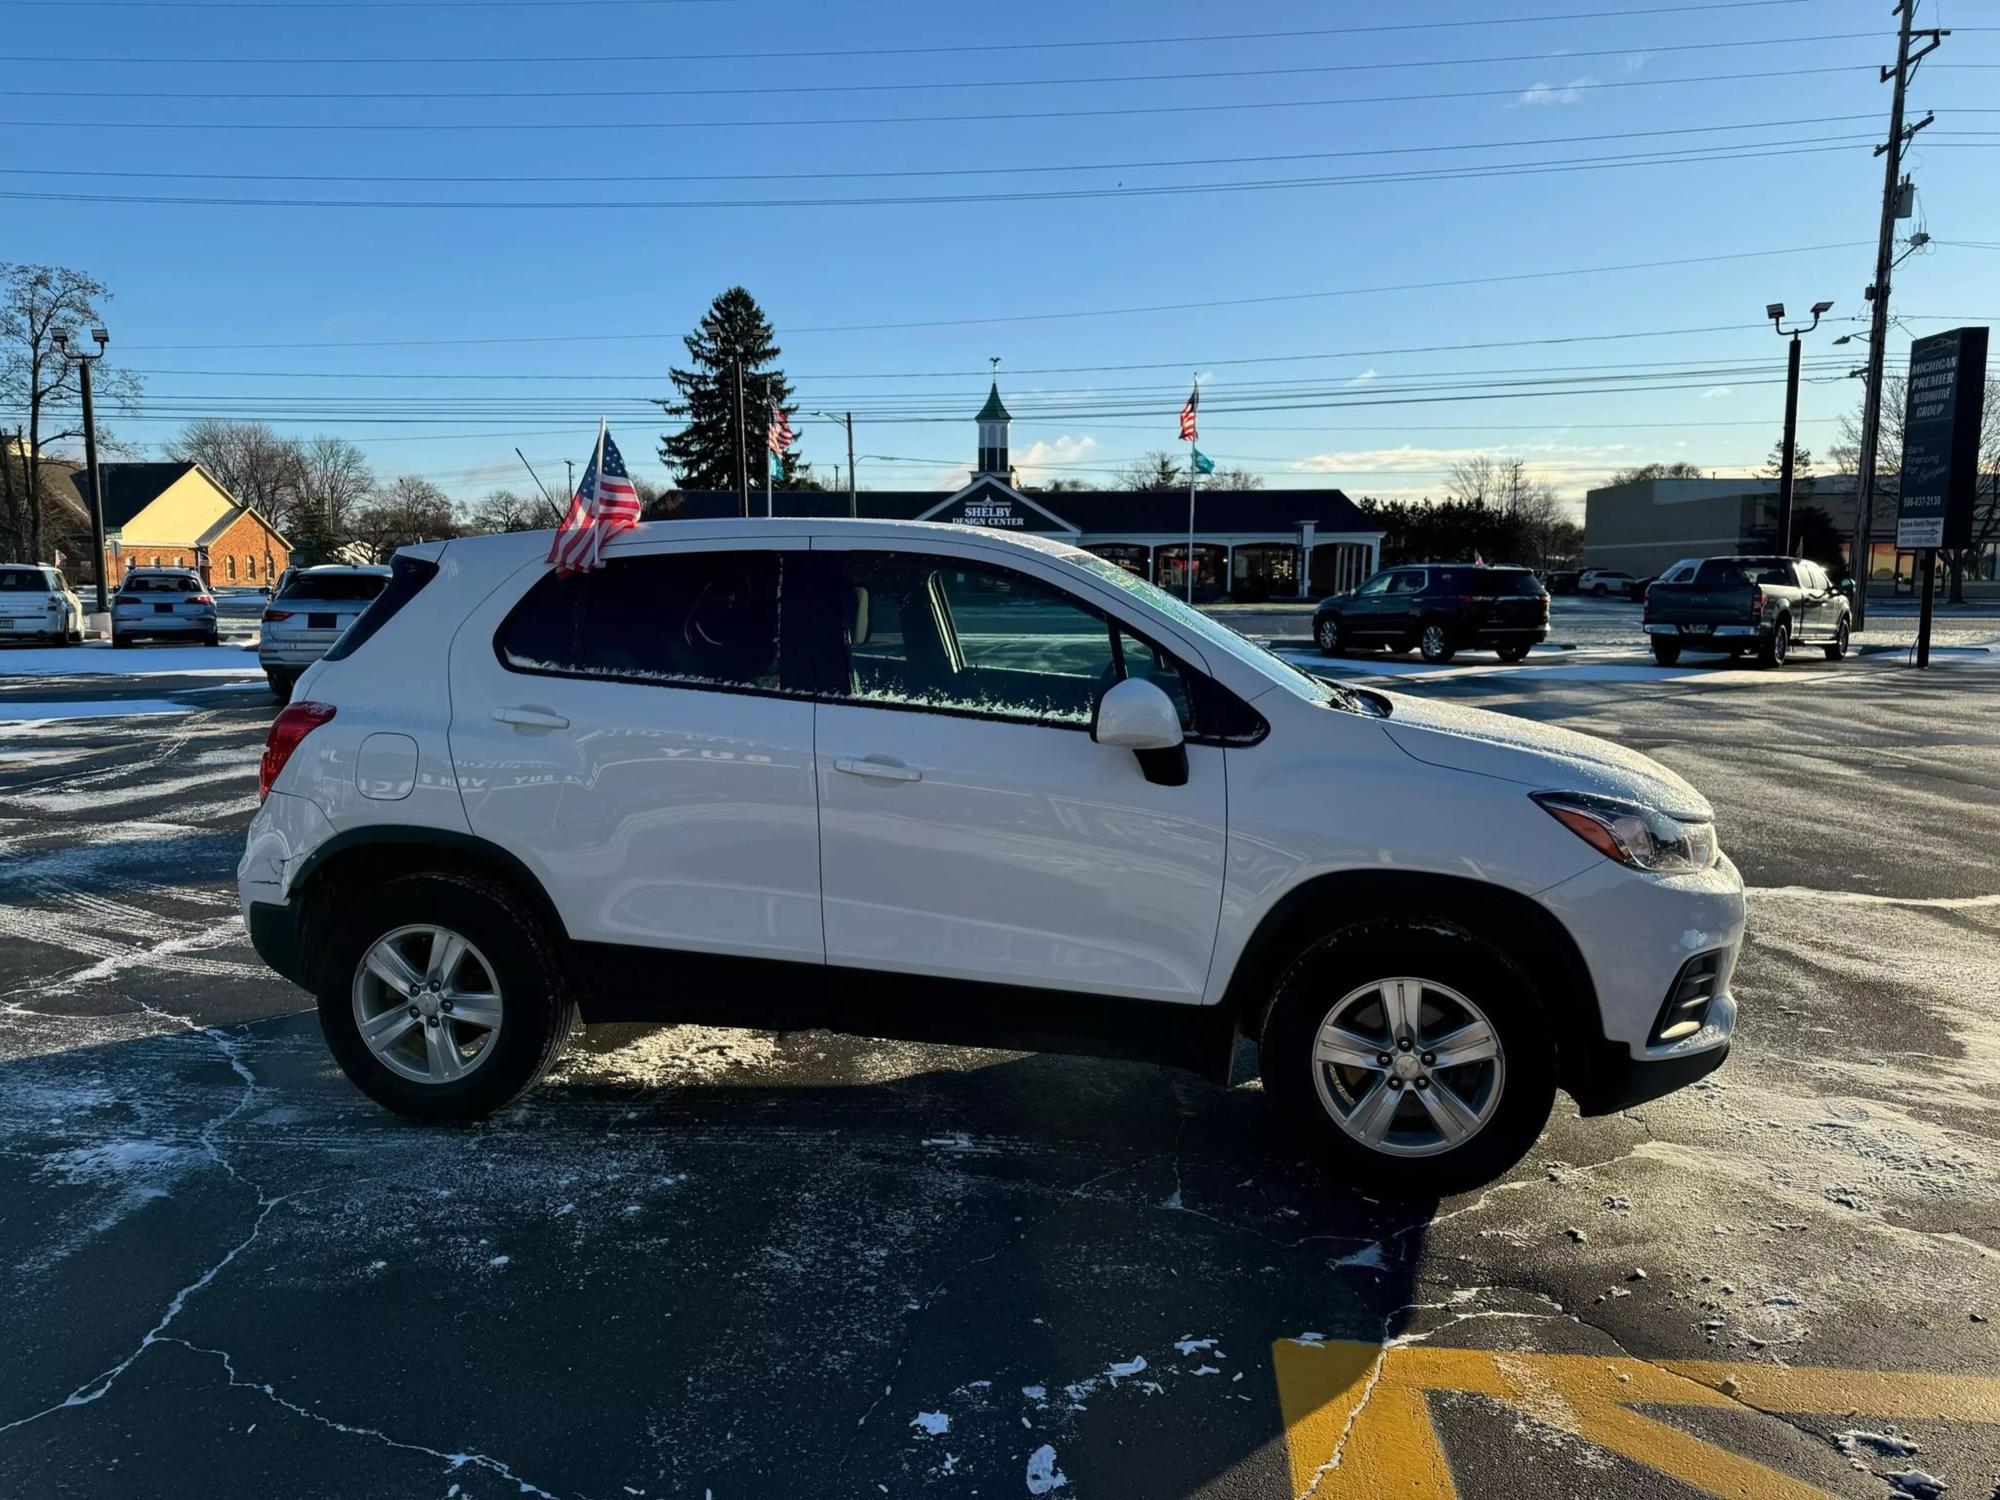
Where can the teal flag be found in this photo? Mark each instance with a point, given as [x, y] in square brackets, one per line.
[1203, 464]
[777, 466]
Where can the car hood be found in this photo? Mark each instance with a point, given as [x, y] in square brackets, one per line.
[1538, 756]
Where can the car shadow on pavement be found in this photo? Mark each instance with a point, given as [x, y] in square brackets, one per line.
[697, 1237]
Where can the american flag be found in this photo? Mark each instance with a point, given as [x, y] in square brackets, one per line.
[605, 503]
[780, 437]
[1187, 413]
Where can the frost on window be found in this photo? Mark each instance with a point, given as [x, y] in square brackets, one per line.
[688, 619]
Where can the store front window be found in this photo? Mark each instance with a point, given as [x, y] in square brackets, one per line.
[1130, 556]
[1264, 570]
[1210, 563]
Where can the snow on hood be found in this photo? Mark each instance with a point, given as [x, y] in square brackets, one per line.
[1539, 756]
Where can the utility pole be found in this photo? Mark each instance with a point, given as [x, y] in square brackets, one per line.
[1878, 291]
[742, 445]
[60, 338]
[847, 420]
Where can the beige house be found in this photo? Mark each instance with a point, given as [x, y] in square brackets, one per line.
[176, 514]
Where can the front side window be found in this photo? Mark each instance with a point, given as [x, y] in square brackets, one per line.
[685, 619]
[926, 632]
[1379, 584]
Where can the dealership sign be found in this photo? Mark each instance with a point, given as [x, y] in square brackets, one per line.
[1947, 393]
[991, 504]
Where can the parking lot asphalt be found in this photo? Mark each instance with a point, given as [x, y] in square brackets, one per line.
[732, 1264]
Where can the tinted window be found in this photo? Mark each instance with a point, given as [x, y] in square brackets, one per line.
[1406, 583]
[697, 619]
[1507, 583]
[161, 583]
[1376, 585]
[22, 581]
[1728, 572]
[333, 586]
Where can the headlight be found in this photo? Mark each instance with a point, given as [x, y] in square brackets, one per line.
[1641, 837]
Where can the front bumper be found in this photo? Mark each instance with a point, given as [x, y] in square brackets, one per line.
[1636, 932]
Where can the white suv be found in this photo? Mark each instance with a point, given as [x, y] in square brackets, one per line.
[931, 782]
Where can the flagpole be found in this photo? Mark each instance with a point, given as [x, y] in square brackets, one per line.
[767, 477]
[597, 468]
[1191, 478]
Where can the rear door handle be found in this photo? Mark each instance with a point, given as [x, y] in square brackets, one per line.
[531, 718]
[879, 770]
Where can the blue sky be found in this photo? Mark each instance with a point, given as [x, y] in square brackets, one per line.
[199, 287]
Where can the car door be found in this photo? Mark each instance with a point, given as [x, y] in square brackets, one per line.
[1403, 604]
[970, 828]
[1362, 616]
[637, 736]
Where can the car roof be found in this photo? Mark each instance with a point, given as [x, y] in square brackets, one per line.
[318, 570]
[751, 528]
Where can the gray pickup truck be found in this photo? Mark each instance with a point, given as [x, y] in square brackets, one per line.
[1742, 604]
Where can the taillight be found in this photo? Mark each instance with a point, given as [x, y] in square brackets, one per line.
[1646, 614]
[201, 599]
[277, 614]
[126, 599]
[294, 722]
[1757, 605]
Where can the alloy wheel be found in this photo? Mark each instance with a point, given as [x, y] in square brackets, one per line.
[1408, 1067]
[1434, 641]
[427, 1004]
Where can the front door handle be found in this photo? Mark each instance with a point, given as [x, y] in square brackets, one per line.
[531, 718]
[878, 770]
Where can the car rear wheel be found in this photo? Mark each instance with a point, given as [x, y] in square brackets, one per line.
[1665, 652]
[1436, 644]
[1776, 646]
[281, 685]
[441, 995]
[1327, 633]
[120, 640]
[1599, 591]
[1837, 647]
[213, 638]
[1515, 652]
[1412, 1059]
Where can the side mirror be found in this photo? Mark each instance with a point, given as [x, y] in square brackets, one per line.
[1136, 715]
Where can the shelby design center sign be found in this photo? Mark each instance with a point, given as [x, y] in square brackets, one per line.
[1947, 392]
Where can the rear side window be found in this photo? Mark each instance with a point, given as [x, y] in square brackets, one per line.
[689, 619]
[341, 587]
[407, 576]
[1506, 583]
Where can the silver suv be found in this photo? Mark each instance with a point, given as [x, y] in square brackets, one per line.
[312, 607]
[163, 602]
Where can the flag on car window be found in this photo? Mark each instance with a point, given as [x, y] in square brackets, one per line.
[1187, 413]
[607, 502]
[1203, 464]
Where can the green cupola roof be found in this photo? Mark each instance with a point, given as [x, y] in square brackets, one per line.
[993, 411]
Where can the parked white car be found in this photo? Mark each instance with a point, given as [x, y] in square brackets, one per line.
[933, 782]
[36, 604]
[1603, 581]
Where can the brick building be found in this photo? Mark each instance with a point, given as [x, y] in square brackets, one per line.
[176, 514]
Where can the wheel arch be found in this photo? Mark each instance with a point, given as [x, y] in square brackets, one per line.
[1527, 932]
[361, 856]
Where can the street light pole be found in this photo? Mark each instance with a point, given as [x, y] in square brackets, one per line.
[95, 479]
[1788, 457]
[846, 419]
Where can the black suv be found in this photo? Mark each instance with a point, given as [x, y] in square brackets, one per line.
[1442, 608]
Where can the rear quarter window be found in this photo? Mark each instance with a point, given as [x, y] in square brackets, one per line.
[1511, 584]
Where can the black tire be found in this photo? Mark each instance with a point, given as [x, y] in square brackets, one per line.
[1599, 591]
[120, 641]
[538, 1010]
[1334, 966]
[213, 638]
[1775, 647]
[281, 685]
[1837, 647]
[1666, 652]
[1516, 652]
[1436, 644]
[1327, 635]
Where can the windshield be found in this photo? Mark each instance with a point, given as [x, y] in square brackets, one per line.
[22, 581]
[1266, 662]
[334, 586]
[161, 583]
[1729, 571]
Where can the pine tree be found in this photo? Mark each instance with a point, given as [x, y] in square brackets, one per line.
[702, 454]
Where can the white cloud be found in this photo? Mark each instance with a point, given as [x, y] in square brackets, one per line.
[1634, 61]
[1549, 93]
[1409, 472]
[1716, 392]
[1045, 461]
[1365, 376]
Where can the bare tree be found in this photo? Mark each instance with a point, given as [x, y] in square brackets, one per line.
[1157, 470]
[411, 509]
[254, 463]
[1678, 469]
[1505, 485]
[508, 510]
[332, 478]
[1233, 479]
[40, 382]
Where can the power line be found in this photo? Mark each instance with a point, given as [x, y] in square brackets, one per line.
[1122, 111]
[902, 172]
[829, 52]
[934, 85]
[1688, 156]
[1066, 316]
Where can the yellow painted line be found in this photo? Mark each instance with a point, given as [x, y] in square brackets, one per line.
[1358, 1422]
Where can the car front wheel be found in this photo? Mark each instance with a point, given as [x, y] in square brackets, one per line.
[1327, 633]
[1436, 644]
[1515, 652]
[441, 995]
[1414, 1060]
